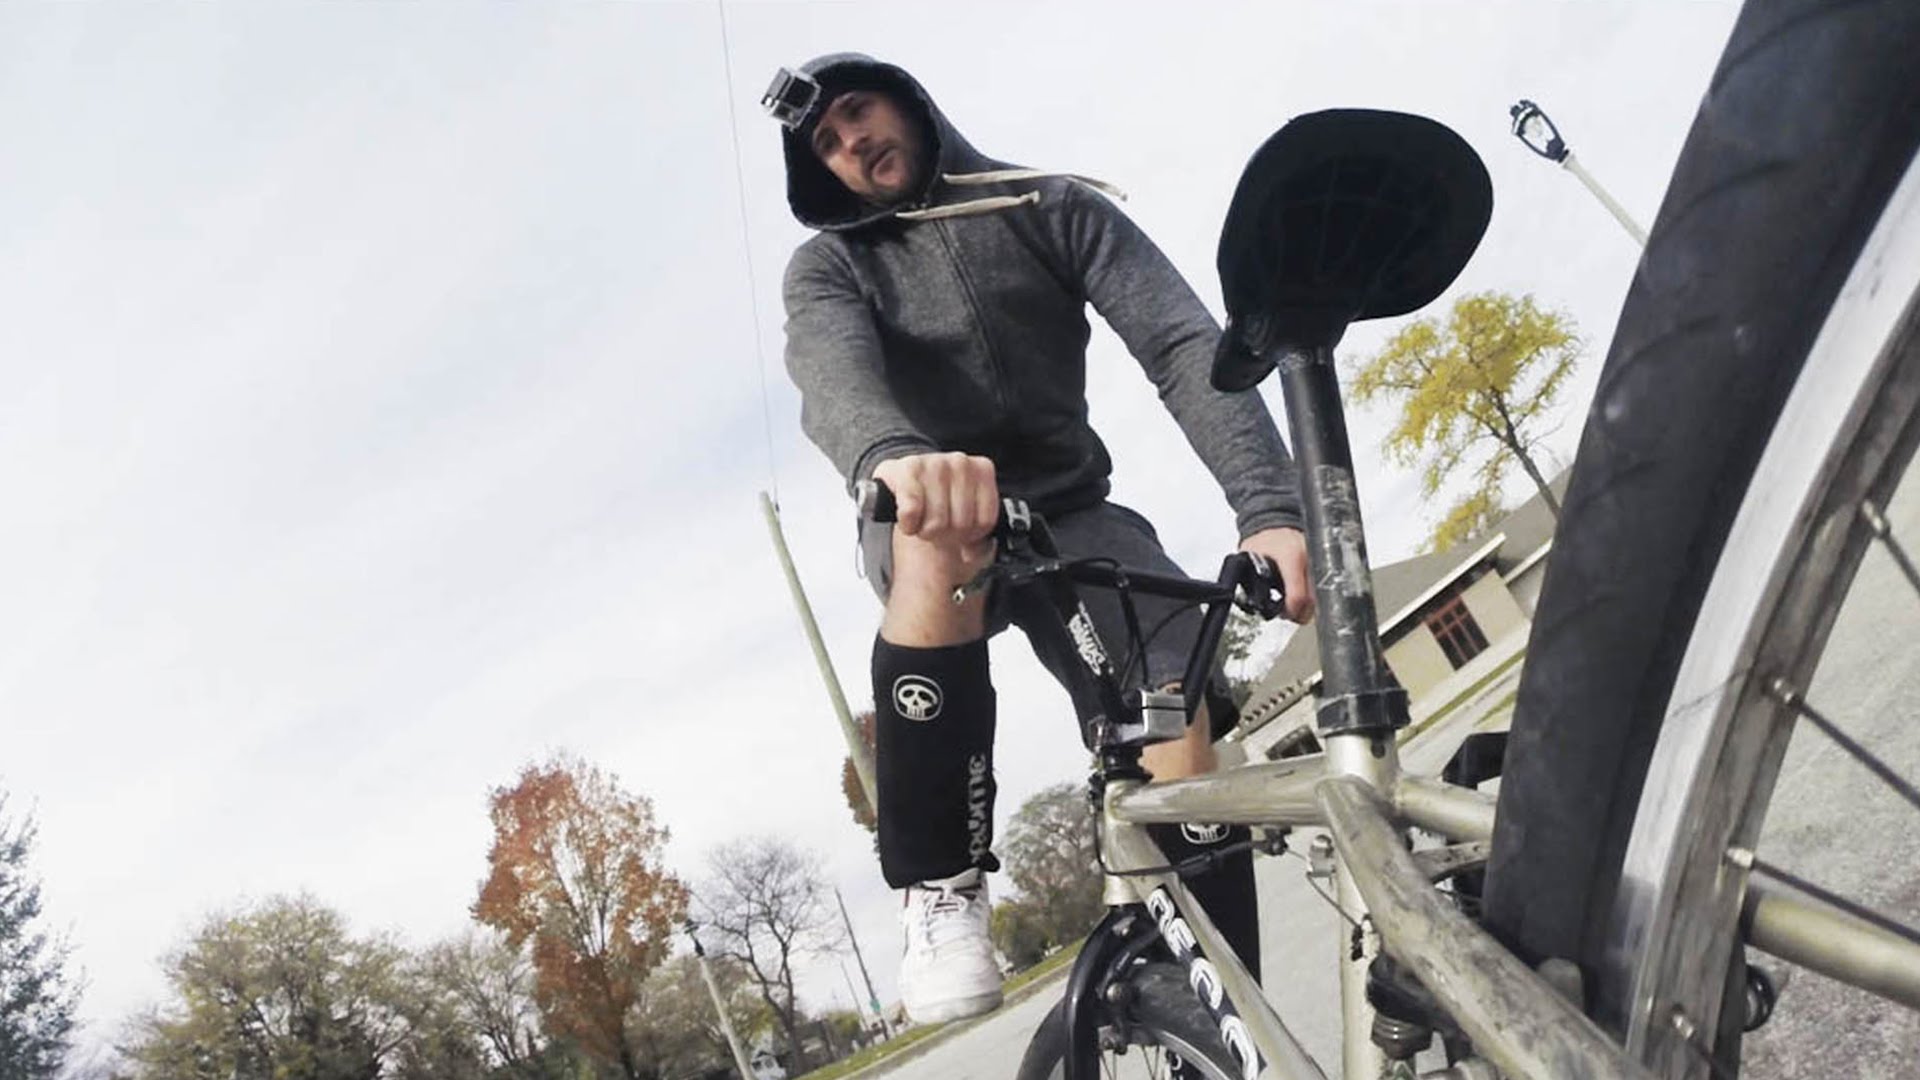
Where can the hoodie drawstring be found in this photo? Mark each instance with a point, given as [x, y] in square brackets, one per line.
[1000, 202]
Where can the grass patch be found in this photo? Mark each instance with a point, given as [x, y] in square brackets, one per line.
[909, 1039]
[872, 1054]
[1463, 696]
[1045, 967]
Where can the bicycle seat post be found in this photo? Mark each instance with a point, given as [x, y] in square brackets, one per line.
[1359, 695]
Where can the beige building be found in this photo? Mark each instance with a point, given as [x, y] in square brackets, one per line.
[1454, 623]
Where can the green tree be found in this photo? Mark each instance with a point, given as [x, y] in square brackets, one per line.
[1019, 933]
[281, 991]
[37, 994]
[1051, 859]
[575, 876]
[1472, 391]
[844, 1030]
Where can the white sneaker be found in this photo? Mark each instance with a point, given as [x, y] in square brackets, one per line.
[949, 972]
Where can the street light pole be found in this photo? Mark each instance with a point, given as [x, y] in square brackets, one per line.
[713, 990]
[1538, 133]
[873, 999]
[856, 743]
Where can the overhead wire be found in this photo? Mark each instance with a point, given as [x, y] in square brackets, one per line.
[746, 244]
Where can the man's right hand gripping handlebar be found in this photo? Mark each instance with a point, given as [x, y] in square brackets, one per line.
[951, 499]
[951, 502]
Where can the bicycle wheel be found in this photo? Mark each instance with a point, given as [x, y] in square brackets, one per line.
[1168, 1034]
[1704, 550]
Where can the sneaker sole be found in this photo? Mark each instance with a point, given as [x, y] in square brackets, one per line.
[956, 1009]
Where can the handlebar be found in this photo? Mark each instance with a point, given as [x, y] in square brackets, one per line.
[1247, 579]
[1025, 557]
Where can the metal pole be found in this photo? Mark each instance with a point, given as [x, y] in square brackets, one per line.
[853, 995]
[856, 744]
[719, 1007]
[1359, 694]
[1536, 131]
[1619, 212]
[873, 999]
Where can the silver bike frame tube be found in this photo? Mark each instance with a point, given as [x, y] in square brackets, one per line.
[1373, 760]
[1838, 944]
[1273, 793]
[1280, 794]
[1454, 812]
[1128, 847]
[1514, 1019]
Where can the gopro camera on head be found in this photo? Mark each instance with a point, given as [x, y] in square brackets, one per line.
[792, 96]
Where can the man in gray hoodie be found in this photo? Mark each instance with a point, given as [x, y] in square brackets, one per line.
[937, 331]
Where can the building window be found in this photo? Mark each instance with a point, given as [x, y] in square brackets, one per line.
[1459, 636]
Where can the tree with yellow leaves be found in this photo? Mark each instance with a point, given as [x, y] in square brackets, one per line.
[1471, 392]
[576, 873]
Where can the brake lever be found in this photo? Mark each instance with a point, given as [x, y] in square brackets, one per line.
[1261, 591]
[1010, 566]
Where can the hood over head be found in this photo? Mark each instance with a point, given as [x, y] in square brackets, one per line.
[818, 199]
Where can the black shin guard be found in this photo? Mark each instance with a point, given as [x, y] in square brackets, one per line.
[933, 734]
[1226, 890]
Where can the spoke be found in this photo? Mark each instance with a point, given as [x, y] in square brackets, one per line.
[1788, 696]
[1747, 860]
[1883, 532]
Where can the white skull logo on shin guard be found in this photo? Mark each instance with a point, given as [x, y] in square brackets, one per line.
[1204, 834]
[916, 697]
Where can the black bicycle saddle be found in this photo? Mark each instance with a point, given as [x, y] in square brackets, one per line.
[1343, 215]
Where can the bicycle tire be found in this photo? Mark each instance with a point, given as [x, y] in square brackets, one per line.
[1163, 1015]
[1810, 122]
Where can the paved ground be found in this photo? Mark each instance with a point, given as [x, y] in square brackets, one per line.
[1830, 821]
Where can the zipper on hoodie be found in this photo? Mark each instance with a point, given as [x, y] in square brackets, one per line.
[994, 365]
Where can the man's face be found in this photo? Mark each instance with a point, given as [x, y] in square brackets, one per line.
[870, 144]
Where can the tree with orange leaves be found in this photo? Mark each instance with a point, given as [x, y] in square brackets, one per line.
[850, 785]
[575, 873]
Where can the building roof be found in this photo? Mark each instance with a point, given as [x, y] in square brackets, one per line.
[1515, 542]
[1528, 530]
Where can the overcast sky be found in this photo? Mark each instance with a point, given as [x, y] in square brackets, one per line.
[384, 405]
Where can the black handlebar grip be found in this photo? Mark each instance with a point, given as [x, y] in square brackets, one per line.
[876, 502]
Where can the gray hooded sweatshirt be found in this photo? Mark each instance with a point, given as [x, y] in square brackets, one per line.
[961, 324]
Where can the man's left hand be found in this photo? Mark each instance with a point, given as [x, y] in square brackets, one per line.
[1287, 548]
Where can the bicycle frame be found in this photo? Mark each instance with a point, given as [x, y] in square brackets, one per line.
[1357, 793]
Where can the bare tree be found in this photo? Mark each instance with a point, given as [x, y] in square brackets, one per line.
[767, 905]
[491, 984]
